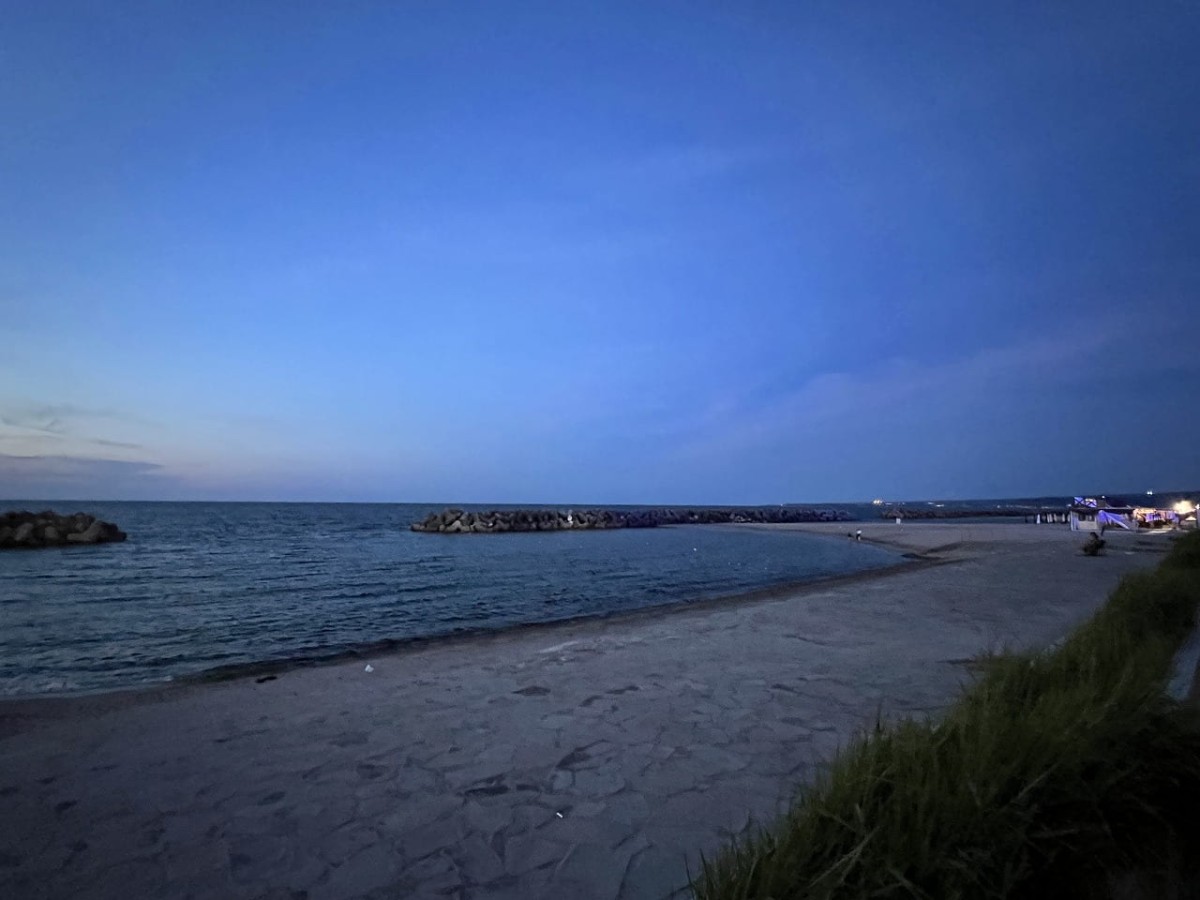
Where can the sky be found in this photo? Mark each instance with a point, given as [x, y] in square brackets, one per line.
[619, 252]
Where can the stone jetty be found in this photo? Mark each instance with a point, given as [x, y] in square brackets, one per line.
[21, 530]
[457, 521]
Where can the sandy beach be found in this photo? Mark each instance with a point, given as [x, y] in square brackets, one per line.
[594, 759]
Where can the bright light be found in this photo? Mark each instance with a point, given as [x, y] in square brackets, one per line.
[1185, 507]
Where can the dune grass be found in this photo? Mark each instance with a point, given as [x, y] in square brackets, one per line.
[1056, 775]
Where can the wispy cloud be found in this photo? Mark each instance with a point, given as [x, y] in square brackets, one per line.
[34, 438]
[834, 403]
[37, 419]
[52, 477]
[57, 418]
[51, 466]
[35, 428]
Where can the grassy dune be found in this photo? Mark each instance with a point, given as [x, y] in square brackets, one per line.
[1057, 775]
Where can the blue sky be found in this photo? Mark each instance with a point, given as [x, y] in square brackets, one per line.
[611, 252]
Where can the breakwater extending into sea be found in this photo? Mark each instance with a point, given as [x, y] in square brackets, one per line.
[458, 521]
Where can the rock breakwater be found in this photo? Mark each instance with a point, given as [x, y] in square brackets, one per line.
[457, 521]
[21, 530]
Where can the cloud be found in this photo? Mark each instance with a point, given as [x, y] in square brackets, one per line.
[41, 416]
[895, 393]
[32, 420]
[998, 421]
[68, 466]
[50, 477]
[35, 429]
[56, 417]
[34, 441]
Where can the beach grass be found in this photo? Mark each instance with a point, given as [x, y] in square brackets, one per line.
[1067, 773]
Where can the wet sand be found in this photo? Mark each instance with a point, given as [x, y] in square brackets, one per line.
[592, 759]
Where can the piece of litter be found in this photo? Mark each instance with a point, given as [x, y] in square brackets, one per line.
[369, 668]
[558, 814]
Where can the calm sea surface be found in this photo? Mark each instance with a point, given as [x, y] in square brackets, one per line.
[201, 585]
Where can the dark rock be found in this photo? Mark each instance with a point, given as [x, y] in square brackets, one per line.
[91, 535]
[22, 529]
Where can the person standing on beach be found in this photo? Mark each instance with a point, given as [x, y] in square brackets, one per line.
[858, 535]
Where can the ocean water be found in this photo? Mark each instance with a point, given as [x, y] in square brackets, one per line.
[204, 585]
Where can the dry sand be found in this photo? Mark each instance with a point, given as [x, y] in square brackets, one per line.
[587, 760]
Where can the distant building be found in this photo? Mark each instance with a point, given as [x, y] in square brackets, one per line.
[1090, 513]
[1086, 513]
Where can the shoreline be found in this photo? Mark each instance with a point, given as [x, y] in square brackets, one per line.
[910, 541]
[53, 705]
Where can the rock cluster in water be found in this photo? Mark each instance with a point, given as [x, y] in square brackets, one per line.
[456, 521]
[21, 530]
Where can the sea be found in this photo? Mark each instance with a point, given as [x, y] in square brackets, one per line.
[204, 588]
[199, 587]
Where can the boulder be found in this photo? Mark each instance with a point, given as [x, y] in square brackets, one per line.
[113, 533]
[90, 535]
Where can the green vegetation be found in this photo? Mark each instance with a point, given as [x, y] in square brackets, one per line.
[1056, 775]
